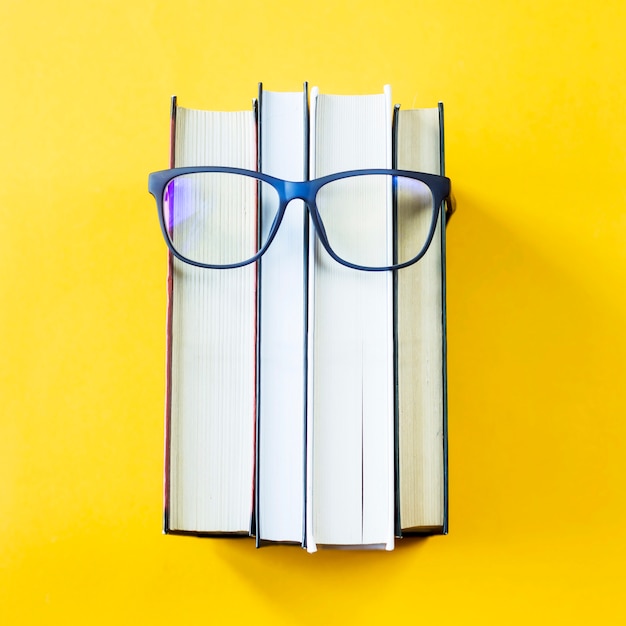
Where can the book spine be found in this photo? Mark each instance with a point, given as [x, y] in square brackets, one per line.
[309, 539]
[305, 317]
[442, 167]
[168, 341]
[256, 530]
[396, 412]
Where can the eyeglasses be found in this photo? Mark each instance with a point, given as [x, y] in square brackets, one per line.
[369, 219]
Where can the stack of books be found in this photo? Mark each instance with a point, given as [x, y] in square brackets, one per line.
[306, 380]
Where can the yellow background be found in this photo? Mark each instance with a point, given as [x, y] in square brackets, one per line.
[536, 134]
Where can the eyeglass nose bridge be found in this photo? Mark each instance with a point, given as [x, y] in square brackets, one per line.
[299, 190]
[306, 191]
[292, 190]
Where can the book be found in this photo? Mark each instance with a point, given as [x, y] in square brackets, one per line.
[420, 345]
[350, 458]
[306, 397]
[280, 465]
[211, 368]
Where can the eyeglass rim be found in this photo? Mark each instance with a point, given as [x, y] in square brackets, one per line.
[440, 187]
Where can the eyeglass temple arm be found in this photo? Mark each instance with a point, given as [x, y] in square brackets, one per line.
[450, 207]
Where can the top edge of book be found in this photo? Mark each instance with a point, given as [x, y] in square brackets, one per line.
[282, 91]
[215, 111]
[386, 90]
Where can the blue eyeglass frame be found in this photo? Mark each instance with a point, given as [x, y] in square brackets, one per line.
[306, 191]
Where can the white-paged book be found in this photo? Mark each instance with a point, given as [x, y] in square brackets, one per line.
[351, 445]
[282, 338]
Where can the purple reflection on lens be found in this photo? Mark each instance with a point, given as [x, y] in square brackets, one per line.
[411, 185]
[176, 213]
